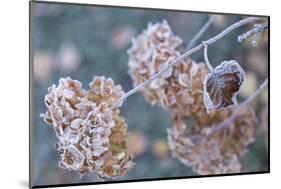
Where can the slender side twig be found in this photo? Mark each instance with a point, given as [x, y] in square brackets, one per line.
[206, 57]
[258, 28]
[235, 114]
[200, 33]
[186, 54]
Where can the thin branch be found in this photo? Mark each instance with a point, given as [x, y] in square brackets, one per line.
[257, 29]
[206, 57]
[186, 54]
[235, 114]
[200, 33]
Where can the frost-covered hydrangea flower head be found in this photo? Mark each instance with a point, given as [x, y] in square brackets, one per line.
[216, 154]
[179, 88]
[92, 136]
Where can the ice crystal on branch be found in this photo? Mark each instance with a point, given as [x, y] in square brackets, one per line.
[92, 136]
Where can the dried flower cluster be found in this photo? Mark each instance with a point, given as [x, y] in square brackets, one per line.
[179, 88]
[212, 154]
[204, 156]
[180, 91]
[92, 136]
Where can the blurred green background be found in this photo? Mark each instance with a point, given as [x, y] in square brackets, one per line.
[87, 41]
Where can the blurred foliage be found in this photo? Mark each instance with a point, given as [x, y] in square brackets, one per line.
[87, 41]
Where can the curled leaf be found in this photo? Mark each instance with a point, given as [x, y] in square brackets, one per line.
[222, 85]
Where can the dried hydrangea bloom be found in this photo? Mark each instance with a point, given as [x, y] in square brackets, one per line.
[218, 153]
[92, 136]
[179, 88]
[203, 155]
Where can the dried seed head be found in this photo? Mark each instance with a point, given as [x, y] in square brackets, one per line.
[92, 136]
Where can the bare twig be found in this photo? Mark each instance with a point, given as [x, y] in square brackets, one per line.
[257, 29]
[206, 57]
[235, 114]
[186, 54]
[200, 33]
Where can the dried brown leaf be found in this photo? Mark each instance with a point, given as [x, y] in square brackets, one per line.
[222, 85]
